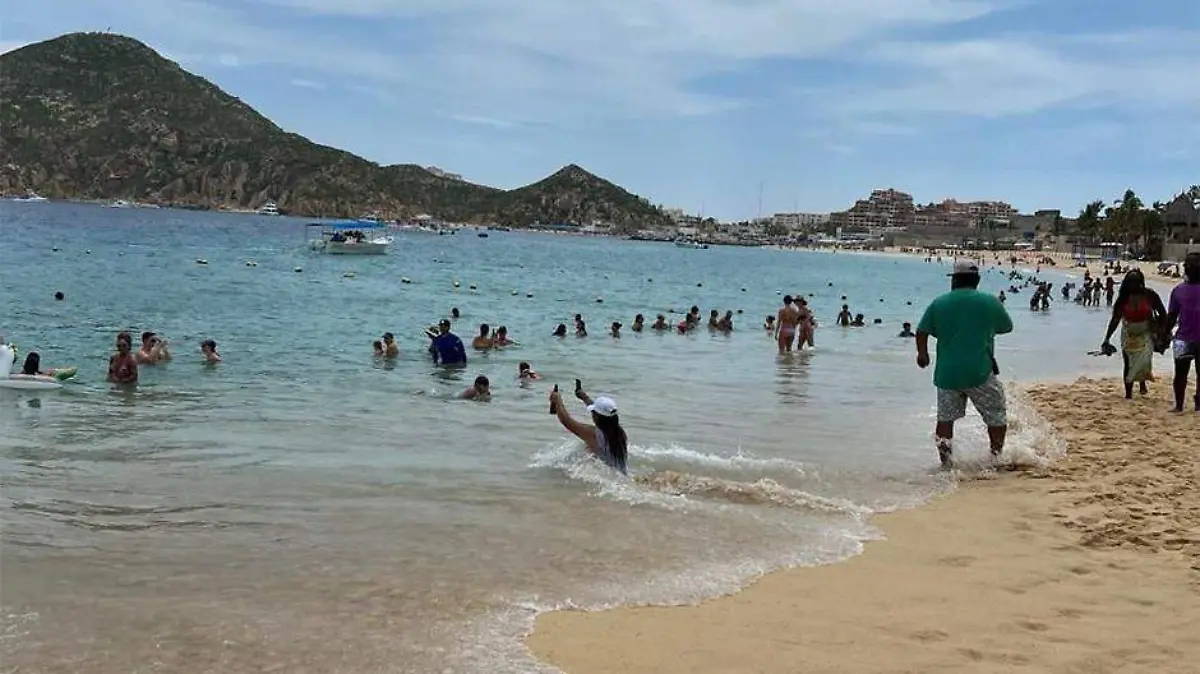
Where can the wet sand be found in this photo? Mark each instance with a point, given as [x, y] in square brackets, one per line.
[1091, 565]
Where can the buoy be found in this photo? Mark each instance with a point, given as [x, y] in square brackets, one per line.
[909, 303]
[743, 290]
[88, 251]
[297, 270]
[472, 286]
[405, 279]
[514, 292]
[880, 299]
[349, 274]
[251, 263]
[55, 249]
[699, 285]
[529, 294]
[201, 261]
[599, 300]
[649, 280]
[456, 284]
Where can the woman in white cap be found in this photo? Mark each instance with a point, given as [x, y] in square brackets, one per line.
[606, 439]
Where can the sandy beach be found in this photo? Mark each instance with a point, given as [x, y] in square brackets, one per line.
[1091, 565]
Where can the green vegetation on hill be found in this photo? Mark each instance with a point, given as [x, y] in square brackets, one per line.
[101, 116]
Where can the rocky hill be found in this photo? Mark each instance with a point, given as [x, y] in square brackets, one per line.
[101, 116]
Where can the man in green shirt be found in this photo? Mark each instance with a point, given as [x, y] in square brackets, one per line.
[965, 323]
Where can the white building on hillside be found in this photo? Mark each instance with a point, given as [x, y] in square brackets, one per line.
[799, 221]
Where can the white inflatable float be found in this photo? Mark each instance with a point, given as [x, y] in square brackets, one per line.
[27, 381]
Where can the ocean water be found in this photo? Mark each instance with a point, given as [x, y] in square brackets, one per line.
[305, 508]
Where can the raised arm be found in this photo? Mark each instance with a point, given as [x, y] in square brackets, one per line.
[1115, 321]
[585, 432]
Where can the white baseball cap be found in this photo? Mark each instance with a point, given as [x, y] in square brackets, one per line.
[964, 267]
[604, 406]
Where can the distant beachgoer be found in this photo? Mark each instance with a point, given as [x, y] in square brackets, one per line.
[615, 329]
[446, 348]
[726, 322]
[965, 323]
[1109, 289]
[580, 329]
[604, 437]
[906, 330]
[390, 348]
[154, 350]
[714, 320]
[377, 348]
[844, 317]
[579, 322]
[33, 364]
[502, 337]
[480, 390]
[524, 372]
[560, 331]
[122, 366]
[209, 349]
[693, 317]
[1139, 311]
[660, 323]
[639, 323]
[1003, 298]
[807, 326]
[787, 323]
[454, 313]
[769, 324]
[483, 340]
[1183, 310]
[858, 322]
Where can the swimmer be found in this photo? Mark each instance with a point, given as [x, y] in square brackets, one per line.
[480, 390]
[844, 318]
[714, 320]
[580, 328]
[33, 365]
[639, 322]
[604, 437]
[693, 317]
[122, 366]
[59, 296]
[787, 322]
[390, 348]
[502, 339]
[525, 373]
[615, 329]
[483, 340]
[726, 322]
[560, 331]
[454, 313]
[806, 328]
[660, 323]
[154, 350]
[578, 321]
[769, 324]
[858, 321]
[906, 330]
[209, 348]
[377, 348]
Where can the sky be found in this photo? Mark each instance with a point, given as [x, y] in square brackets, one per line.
[707, 104]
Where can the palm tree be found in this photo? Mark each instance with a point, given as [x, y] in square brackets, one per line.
[1089, 219]
[1128, 217]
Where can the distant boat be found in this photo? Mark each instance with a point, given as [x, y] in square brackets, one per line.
[31, 198]
[483, 235]
[357, 237]
[269, 208]
[119, 203]
[688, 243]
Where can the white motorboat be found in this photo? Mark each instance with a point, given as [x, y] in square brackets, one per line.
[688, 243]
[31, 198]
[119, 203]
[269, 208]
[357, 237]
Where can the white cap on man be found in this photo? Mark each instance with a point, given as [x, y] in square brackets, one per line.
[964, 267]
[603, 406]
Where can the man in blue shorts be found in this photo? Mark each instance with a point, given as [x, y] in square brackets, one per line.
[965, 323]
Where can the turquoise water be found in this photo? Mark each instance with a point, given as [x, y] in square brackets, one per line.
[305, 506]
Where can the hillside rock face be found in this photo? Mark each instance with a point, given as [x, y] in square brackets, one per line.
[101, 116]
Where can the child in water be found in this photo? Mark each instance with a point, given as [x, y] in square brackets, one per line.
[525, 373]
[480, 390]
[377, 348]
[209, 348]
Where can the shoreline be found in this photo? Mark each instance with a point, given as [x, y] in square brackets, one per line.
[1093, 559]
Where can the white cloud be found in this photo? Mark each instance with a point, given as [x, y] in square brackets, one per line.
[305, 84]
[483, 121]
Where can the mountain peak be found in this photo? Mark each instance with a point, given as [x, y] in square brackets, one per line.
[104, 116]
